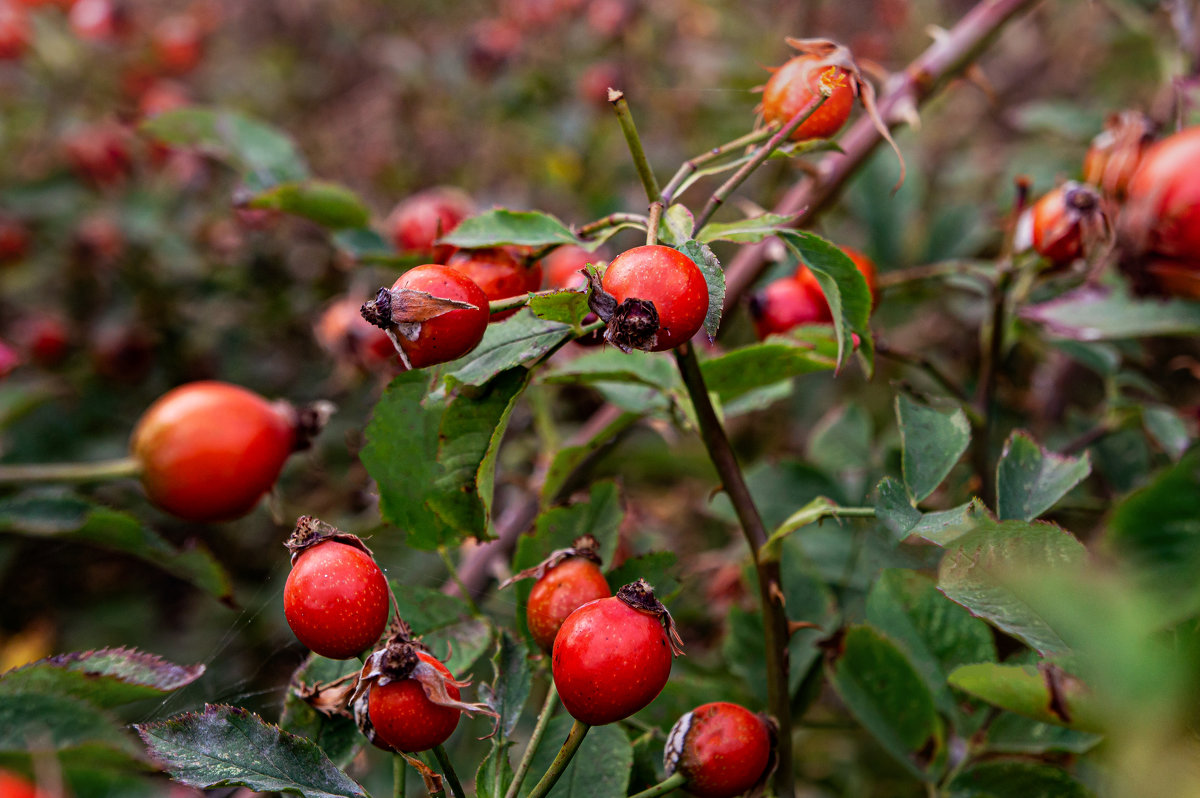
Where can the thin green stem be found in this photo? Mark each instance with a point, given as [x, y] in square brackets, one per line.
[656, 212]
[399, 772]
[70, 472]
[645, 173]
[612, 220]
[575, 739]
[729, 186]
[669, 784]
[518, 301]
[539, 730]
[991, 351]
[690, 167]
[439, 752]
[444, 553]
[775, 624]
[852, 512]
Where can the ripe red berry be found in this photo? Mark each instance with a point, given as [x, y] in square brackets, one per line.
[786, 303]
[417, 222]
[668, 279]
[178, 43]
[562, 266]
[336, 599]
[454, 333]
[208, 451]
[798, 82]
[15, 786]
[344, 333]
[612, 656]
[560, 591]
[1061, 223]
[498, 273]
[722, 749]
[14, 31]
[1162, 207]
[403, 716]
[1115, 153]
[99, 20]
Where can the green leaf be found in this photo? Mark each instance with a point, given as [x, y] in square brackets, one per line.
[1156, 533]
[566, 460]
[884, 692]
[676, 226]
[840, 445]
[39, 721]
[845, 290]
[714, 277]
[936, 634]
[746, 231]
[933, 439]
[758, 365]
[811, 513]
[434, 462]
[495, 773]
[503, 227]
[564, 307]
[225, 746]
[329, 204]
[599, 769]
[1098, 313]
[511, 682]
[894, 508]
[460, 645]
[262, 154]
[1015, 734]
[1167, 429]
[77, 520]
[337, 735]
[612, 365]
[105, 678]
[977, 566]
[426, 609]
[1030, 480]
[513, 342]
[745, 654]
[1043, 693]
[657, 567]
[1015, 780]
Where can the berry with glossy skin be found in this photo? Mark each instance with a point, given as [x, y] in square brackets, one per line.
[795, 84]
[454, 333]
[667, 278]
[721, 748]
[1162, 207]
[1061, 223]
[344, 333]
[498, 273]
[417, 222]
[208, 451]
[336, 599]
[559, 592]
[404, 717]
[562, 266]
[786, 303]
[611, 660]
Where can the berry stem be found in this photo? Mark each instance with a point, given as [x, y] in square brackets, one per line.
[690, 167]
[399, 772]
[669, 784]
[539, 729]
[518, 301]
[729, 186]
[612, 220]
[621, 106]
[439, 752]
[70, 472]
[656, 212]
[775, 622]
[578, 731]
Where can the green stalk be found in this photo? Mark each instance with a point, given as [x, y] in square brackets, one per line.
[439, 751]
[669, 784]
[656, 212]
[398, 776]
[70, 472]
[645, 173]
[578, 731]
[539, 730]
[775, 623]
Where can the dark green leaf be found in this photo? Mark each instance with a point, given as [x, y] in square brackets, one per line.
[658, 568]
[676, 226]
[714, 277]
[565, 307]
[1015, 734]
[1044, 693]
[1015, 780]
[936, 634]
[501, 227]
[758, 365]
[745, 231]
[513, 342]
[600, 768]
[426, 609]
[840, 445]
[1029, 479]
[227, 746]
[612, 365]
[977, 565]
[75, 519]
[510, 685]
[106, 678]
[894, 508]
[845, 290]
[329, 204]
[933, 439]
[338, 736]
[264, 155]
[566, 460]
[495, 773]
[1097, 313]
[887, 696]
[40, 721]
[1167, 429]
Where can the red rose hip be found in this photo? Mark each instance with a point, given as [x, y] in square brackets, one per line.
[722, 749]
[452, 334]
[669, 280]
[797, 83]
[403, 716]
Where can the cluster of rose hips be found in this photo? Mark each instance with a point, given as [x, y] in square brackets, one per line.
[611, 656]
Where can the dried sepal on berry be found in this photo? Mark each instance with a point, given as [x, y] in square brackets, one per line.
[331, 699]
[632, 324]
[402, 311]
[829, 53]
[639, 595]
[676, 754]
[583, 546]
[310, 531]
